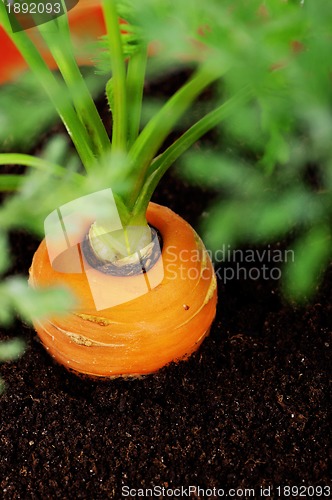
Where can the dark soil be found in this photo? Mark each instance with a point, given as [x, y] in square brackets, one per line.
[250, 409]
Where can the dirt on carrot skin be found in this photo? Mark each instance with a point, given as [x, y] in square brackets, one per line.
[250, 409]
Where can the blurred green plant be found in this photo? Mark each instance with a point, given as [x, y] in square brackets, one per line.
[270, 65]
[26, 111]
[273, 166]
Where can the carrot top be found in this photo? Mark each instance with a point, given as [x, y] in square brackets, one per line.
[139, 149]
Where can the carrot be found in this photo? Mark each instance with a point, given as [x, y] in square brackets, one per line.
[144, 334]
[86, 23]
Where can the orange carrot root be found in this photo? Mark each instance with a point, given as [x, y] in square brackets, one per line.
[142, 335]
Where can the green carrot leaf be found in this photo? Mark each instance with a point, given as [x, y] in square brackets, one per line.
[313, 251]
[11, 350]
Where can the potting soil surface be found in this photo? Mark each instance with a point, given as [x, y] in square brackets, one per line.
[250, 410]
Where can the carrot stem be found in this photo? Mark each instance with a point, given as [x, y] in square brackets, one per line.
[38, 163]
[159, 127]
[166, 159]
[135, 84]
[119, 111]
[60, 46]
[55, 89]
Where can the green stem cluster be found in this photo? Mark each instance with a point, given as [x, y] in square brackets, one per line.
[11, 182]
[78, 112]
[54, 88]
[119, 132]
